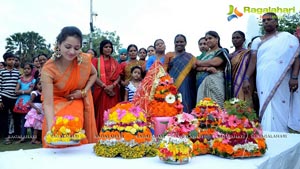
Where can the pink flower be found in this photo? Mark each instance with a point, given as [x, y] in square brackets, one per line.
[105, 116]
[223, 115]
[246, 123]
[233, 121]
[135, 111]
[69, 117]
[121, 113]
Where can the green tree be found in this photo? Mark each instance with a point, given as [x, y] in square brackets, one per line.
[289, 22]
[98, 36]
[27, 45]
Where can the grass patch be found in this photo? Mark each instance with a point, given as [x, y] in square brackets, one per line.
[14, 146]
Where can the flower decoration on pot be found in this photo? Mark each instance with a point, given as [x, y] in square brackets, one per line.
[167, 100]
[65, 130]
[207, 112]
[240, 134]
[125, 133]
[176, 147]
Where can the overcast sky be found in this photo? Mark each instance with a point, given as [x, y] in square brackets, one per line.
[138, 22]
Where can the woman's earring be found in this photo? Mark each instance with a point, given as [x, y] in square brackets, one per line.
[56, 53]
[79, 58]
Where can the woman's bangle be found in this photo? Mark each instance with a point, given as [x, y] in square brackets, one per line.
[83, 93]
[294, 77]
[23, 92]
[114, 84]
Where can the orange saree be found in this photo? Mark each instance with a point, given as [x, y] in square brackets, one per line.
[74, 78]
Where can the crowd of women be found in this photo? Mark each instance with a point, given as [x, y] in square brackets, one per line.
[87, 84]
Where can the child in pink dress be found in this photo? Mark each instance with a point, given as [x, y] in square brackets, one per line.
[35, 116]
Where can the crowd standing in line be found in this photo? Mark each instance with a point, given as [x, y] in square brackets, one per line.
[44, 88]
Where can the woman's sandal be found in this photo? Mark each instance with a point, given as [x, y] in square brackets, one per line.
[21, 141]
[35, 142]
[7, 142]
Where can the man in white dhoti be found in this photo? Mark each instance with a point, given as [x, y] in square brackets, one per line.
[275, 56]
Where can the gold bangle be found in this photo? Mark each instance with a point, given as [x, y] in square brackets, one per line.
[83, 93]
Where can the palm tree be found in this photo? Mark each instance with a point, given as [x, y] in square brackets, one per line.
[27, 45]
[15, 42]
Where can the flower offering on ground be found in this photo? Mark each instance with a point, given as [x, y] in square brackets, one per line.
[176, 147]
[65, 129]
[240, 134]
[125, 133]
[207, 112]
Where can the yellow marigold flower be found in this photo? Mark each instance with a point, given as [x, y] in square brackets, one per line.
[55, 139]
[128, 128]
[133, 130]
[238, 130]
[68, 131]
[65, 121]
[76, 119]
[114, 116]
[59, 120]
[136, 126]
[120, 128]
[66, 139]
[63, 129]
[142, 117]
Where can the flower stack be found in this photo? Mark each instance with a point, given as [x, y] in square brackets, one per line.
[159, 97]
[66, 130]
[176, 147]
[207, 112]
[125, 133]
[240, 134]
[166, 103]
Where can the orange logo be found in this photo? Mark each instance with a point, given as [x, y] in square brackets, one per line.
[233, 13]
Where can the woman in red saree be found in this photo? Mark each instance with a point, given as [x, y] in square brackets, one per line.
[66, 81]
[106, 89]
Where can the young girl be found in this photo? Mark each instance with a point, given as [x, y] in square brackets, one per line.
[23, 89]
[135, 81]
[35, 116]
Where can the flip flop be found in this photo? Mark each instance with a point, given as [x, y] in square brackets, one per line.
[7, 142]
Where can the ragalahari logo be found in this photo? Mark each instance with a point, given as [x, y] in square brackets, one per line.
[233, 13]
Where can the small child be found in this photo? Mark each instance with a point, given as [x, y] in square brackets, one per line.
[135, 81]
[35, 116]
[23, 89]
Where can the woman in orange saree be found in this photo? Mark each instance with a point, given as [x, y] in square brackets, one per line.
[106, 89]
[66, 81]
[132, 53]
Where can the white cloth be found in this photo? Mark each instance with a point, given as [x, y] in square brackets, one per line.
[285, 156]
[294, 116]
[274, 56]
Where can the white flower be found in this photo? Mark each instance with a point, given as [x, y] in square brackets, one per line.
[170, 98]
[179, 97]
[248, 147]
[234, 100]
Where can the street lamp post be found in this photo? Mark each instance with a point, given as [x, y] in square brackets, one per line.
[91, 23]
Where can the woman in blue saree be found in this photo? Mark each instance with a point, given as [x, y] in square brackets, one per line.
[180, 68]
